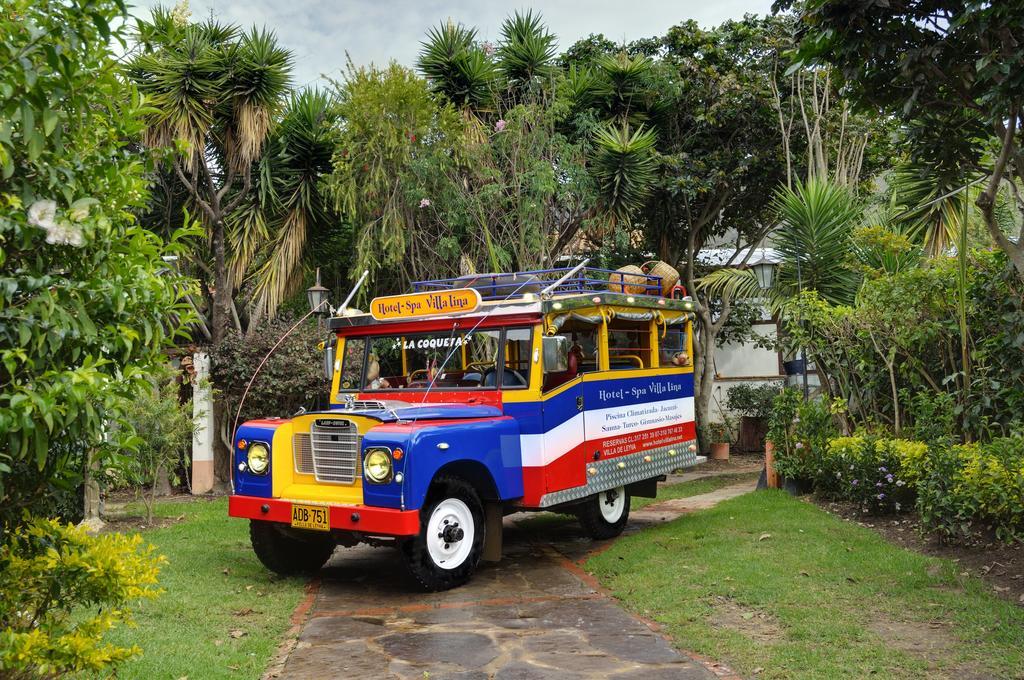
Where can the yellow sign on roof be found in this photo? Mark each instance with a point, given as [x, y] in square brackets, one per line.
[419, 305]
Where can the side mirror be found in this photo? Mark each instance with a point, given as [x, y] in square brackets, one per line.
[329, 361]
[556, 353]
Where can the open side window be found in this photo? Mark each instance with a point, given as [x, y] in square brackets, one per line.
[570, 352]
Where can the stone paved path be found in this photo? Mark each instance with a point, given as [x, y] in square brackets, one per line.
[534, 615]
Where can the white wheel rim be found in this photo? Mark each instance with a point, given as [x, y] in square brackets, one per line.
[612, 504]
[450, 517]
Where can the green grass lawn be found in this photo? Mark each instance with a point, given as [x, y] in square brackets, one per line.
[222, 615]
[770, 584]
[694, 488]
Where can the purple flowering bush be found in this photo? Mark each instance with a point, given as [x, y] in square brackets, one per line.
[868, 471]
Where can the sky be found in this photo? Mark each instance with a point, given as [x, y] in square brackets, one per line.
[321, 32]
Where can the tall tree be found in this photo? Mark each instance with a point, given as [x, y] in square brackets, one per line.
[214, 93]
[719, 153]
[958, 66]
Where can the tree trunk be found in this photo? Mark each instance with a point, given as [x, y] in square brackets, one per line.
[222, 285]
[986, 200]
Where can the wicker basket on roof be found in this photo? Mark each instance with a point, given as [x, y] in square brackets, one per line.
[669, 275]
[629, 279]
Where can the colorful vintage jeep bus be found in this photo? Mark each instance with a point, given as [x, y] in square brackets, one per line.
[465, 401]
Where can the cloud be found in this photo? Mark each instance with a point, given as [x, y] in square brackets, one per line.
[320, 32]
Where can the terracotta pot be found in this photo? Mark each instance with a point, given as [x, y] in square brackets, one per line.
[720, 451]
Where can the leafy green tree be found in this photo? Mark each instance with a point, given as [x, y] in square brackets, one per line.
[953, 71]
[719, 146]
[86, 302]
[430, 180]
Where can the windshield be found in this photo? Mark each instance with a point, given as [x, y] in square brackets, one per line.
[450, 359]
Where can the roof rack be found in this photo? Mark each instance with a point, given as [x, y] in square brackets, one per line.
[509, 285]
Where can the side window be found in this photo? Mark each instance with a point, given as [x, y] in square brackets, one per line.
[352, 363]
[576, 353]
[629, 344]
[518, 355]
[674, 347]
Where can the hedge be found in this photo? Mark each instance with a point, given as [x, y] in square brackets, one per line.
[958, 490]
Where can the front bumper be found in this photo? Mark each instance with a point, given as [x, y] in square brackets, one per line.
[362, 518]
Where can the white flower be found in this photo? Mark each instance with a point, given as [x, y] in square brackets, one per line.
[425, 203]
[78, 214]
[64, 234]
[42, 214]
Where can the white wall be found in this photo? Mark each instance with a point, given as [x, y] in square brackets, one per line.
[744, 363]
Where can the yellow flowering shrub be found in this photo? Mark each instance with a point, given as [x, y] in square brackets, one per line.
[61, 590]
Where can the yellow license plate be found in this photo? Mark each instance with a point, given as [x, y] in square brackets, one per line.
[311, 517]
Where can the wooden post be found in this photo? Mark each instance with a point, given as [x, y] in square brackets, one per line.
[771, 477]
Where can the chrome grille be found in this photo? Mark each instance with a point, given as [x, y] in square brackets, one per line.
[335, 448]
[303, 454]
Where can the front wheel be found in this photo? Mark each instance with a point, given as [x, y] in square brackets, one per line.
[604, 515]
[450, 543]
[285, 551]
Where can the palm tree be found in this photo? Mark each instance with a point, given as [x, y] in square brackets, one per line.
[456, 66]
[814, 236]
[214, 92]
[623, 165]
[526, 52]
[298, 156]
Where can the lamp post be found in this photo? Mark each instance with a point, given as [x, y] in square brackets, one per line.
[317, 296]
[765, 273]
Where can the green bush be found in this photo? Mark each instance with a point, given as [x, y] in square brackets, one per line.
[932, 417]
[974, 487]
[755, 402]
[292, 377]
[800, 431]
[166, 428]
[61, 590]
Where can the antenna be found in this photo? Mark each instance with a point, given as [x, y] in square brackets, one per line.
[547, 291]
[340, 310]
[359, 284]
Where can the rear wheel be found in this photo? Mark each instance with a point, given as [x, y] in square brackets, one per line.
[604, 515]
[287, 551]
[450, 543]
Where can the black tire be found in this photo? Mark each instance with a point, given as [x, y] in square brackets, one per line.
[416, 551]
[287, 551]
[594, 522]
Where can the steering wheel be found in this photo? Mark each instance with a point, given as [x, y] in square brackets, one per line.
[520, 381]
[412, 376]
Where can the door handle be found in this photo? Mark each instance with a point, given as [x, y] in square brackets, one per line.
[579, 403]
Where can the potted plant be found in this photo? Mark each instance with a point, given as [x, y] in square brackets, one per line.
[754, 406]
[721, 436]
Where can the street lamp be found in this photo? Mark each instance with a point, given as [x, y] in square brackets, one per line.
[765, 272]
[317, 296]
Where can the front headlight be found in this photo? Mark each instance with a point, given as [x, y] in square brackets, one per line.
[377, 465]
[259, 458]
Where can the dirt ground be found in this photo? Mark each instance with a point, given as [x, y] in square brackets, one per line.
[999, 564]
